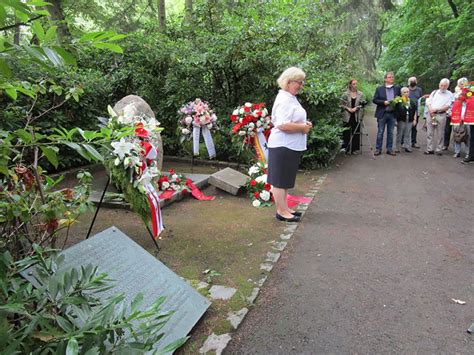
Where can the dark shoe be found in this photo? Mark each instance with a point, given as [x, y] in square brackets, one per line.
[297, 214]
[428, 152]
[457, 155]
[445, 148]
[396, 151]
[389, 152]
[439, 154]
[408, 150]
[377, 152]
[414, 145]
[284, 219]
[467, 160]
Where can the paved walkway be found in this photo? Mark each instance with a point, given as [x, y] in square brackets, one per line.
[374, 264]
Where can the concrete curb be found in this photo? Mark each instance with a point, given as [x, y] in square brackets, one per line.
[217, 343]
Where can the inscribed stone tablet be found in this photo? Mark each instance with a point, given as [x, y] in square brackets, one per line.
[135, 270]
[229, 180]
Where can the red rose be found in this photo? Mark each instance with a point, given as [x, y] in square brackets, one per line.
[268, 187]
[234, 118]
[178, 180]
[171, 171]
[162, 179]
[246, 109]
[256, 194]
[252, 183]
[256, 106]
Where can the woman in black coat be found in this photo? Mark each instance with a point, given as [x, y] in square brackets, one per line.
[405, 113]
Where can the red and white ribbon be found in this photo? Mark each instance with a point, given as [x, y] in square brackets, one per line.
[156, 217]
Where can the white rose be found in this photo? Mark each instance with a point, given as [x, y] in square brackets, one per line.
[265, 195]
[259, 123]
[248, 104]
[209, 125]
[241, 119]
[188, 120]
[241, 111]
[264, 112]
[242, 133]
[236, 112]
[165, 185]
[174, 176]
[251, 125]
[256, 203]
[117, 161]
[214, 117]
[203, 119]
[261, 178]
[185, 131]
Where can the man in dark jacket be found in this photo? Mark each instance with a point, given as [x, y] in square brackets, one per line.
[385, 113]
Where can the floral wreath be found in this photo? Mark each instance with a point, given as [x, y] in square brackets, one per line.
[194, 117]
[252, 122]
[132, 162]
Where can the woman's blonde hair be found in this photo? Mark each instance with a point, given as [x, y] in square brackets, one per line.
[289, 74]
[403, 89]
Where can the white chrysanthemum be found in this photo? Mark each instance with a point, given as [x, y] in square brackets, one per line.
[256, 203]
[265, 195]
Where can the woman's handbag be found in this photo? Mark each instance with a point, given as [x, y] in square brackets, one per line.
[460, 133]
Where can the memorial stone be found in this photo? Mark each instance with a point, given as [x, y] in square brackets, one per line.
[135, 270]
[142, 109]
[229, 180]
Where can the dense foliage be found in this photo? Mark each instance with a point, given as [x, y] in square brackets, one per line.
[431, 39]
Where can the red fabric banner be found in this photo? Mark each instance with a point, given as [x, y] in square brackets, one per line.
[167, 194]
[456, 112]
[469, 115]
[296, 200]
[198, 193]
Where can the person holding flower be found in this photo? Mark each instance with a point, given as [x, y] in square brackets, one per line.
[405, 113]
[287, 141]
[459, 138]
[439, 103]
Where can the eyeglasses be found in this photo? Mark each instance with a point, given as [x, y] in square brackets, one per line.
[301, 82]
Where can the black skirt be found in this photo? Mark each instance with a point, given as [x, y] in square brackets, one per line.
[282, 167]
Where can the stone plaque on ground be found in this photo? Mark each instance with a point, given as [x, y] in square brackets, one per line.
[135, 270]
[229, 180]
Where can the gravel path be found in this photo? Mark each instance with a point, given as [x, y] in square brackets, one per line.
[374, 264]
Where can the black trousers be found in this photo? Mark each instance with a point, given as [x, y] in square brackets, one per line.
[351, 129]
[471, 142]
[447, 131]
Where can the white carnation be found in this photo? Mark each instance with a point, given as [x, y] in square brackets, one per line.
[261, 178]
[265, 195]
[248, 104]
[256, 203]
[236, 112]
[241, 111]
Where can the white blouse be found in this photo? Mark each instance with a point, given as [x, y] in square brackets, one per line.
[287, 109]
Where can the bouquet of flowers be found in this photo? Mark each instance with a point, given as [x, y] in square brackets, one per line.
[172, 182]
[195, 113]
[467, 92]
[397, 100]
[257, 187]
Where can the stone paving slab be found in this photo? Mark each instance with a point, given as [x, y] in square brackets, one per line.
[229, 180]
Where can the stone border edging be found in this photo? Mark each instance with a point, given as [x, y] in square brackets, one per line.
[218, 343]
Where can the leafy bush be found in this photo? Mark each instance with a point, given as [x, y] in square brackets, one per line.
[62, 314]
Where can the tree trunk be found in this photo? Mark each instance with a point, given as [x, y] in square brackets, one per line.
[189, 12]
[16, 35]
[162, 15]
[57, 15]
[454, 8]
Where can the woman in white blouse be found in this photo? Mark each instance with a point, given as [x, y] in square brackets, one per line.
[287, 141]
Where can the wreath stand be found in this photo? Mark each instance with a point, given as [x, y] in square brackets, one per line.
[97, 212]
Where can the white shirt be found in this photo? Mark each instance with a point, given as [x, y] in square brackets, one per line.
[438, 99]
[287, 109]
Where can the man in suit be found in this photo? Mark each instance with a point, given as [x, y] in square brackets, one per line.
[385, 113]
